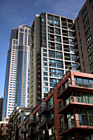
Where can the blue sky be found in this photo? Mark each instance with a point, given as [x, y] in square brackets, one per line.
[16, 12]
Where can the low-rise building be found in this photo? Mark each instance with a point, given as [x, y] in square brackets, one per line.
[16, 123]
[67, 112]
[3, 130]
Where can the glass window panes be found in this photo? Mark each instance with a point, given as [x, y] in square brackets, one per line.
[45, 89]
[59, 47]
[45, 68]
[57, 31]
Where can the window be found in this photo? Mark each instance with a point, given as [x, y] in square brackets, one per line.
[45, 64]
[71, 41]
[78, 27]
[91, 2]
[45, 78]
[74, 65]
[80, 41]
[86, 25]
[45, 69]
[52, 70]
[70, 33]
[57, 31]
[45, 73]
[59, 64]
[52, 62]
[53, 80]
[91, 66]
[59, 55]
[45, 89]
[84, 64]
[81, 48]
[83, 82]
[70, 120]
[50, 19]
[21, 39]
[44, 54]
[60, 72]
[43, 17]
[85, 117]
[56, 21]
[50, 102]
[87, 32]
[84, 11]
[84, 98]
[59, 47]
[51, 116]
[44, 59]
[82, 56]
[52, 54]
[45, 84]
[77, 20]
[90, 48]
[57, 38]
[88, 40]
[91, 57]
[22, 30]
[85, 18]
[44, 50]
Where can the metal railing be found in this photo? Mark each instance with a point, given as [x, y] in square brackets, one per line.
[42, 109]
[68, 83]
[76, 83]
[73, 123]
[43, 121]
[83, 84]
[78, 99]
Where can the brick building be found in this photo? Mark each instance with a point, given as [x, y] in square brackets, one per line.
[66, 112]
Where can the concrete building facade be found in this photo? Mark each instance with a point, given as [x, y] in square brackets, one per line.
[53, 52]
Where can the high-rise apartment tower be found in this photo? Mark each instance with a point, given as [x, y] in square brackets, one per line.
[53, 53]
[17, 70]
[84, 32]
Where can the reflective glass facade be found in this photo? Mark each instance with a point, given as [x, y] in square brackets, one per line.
[17, 71]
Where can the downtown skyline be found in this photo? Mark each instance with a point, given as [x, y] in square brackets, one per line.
[15, 13]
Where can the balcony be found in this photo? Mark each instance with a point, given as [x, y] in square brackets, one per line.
[42, 123]
[43, 110]
[62, 89]
[31, 132]
[67, 57]
[32, 121]
[77, 86]
[23, 130]
[73, 125]
[84, 84]
[74, 101]
[50, 121]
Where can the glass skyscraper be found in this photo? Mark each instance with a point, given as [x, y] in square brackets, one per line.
[17, 70]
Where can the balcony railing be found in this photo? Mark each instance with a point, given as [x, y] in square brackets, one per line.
[68, 83]
[23, 130]
[42, 109]
[83, 84]
[78, 99]
[42, 122]
[73, 124]
[76, 83]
